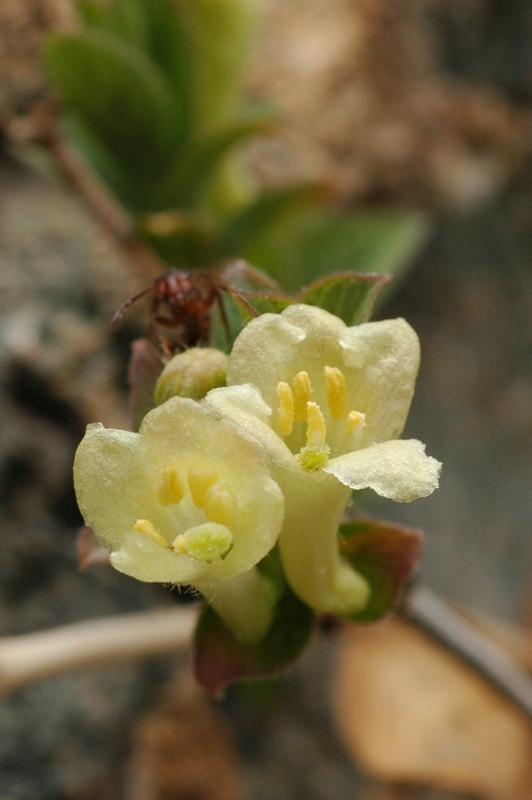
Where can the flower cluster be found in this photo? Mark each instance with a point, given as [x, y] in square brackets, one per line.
[312, 409]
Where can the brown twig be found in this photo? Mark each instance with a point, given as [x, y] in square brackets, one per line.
[32, 657]
[110, 212]
[29, 658]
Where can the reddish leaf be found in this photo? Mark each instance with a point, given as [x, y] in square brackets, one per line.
[145, 366]
[386, 555]
[90, 551]
[220, 659]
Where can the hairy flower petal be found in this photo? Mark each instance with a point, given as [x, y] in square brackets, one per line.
[399, 470]
[139, 492]
[327, 403]
[245, 406]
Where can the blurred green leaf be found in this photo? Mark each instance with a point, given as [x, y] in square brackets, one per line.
[349, 295]
[183, 239]
[169, 43]
[259, 232]
[128, 19]
[220, 659]
[130, 192]
[368, 241]
[221, 33]
[120, 96]
[386, 555]
[197, 164]
[154, 26]
[299, 243]
[93, 13]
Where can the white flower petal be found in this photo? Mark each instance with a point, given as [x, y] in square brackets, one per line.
[399, 470]
[120, 480]
[245, 407]
[112, 487]
[381, 364]
[275, 347]
[309, 544]
[142, 558]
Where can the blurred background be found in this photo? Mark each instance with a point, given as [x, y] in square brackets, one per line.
[416, 117]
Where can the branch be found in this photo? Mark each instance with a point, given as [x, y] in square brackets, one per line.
[32, 657]
[116, 219]
[426, 611]
[35, 656]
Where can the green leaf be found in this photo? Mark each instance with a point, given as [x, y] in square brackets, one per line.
[221, 34]
[386, 555]
[170, 45]
[349, 295]
[128, 19]
[299, 242]
[118, 94]
[370, 241]
[183, 239]
[129, 192]
[198, 163]
[93, 13]
[157, 28]
[264, 231]
[251, 304]
[220, 659]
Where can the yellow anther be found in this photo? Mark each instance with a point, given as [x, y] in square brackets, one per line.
[336, 392]
[199, 482]
[170, 489]
[302, 391]
[286, 407]
[146, 528]
[219, 504]
[316, 428]
[179, 545]
[355, 420]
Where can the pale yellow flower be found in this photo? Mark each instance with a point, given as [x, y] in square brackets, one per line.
[328, 404]
[189, 499]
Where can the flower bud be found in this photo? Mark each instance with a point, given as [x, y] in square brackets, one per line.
[192, 374]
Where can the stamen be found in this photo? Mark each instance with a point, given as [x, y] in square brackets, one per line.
[286, 407]
[316, 428]
[219, 504]
[206, 542]
[179, 545]
[170, 489]
[199, 482]
[147, 528]
[302, 392]
[355, 420]
[336, 392]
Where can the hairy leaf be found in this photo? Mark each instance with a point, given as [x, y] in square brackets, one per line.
[349, 295]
